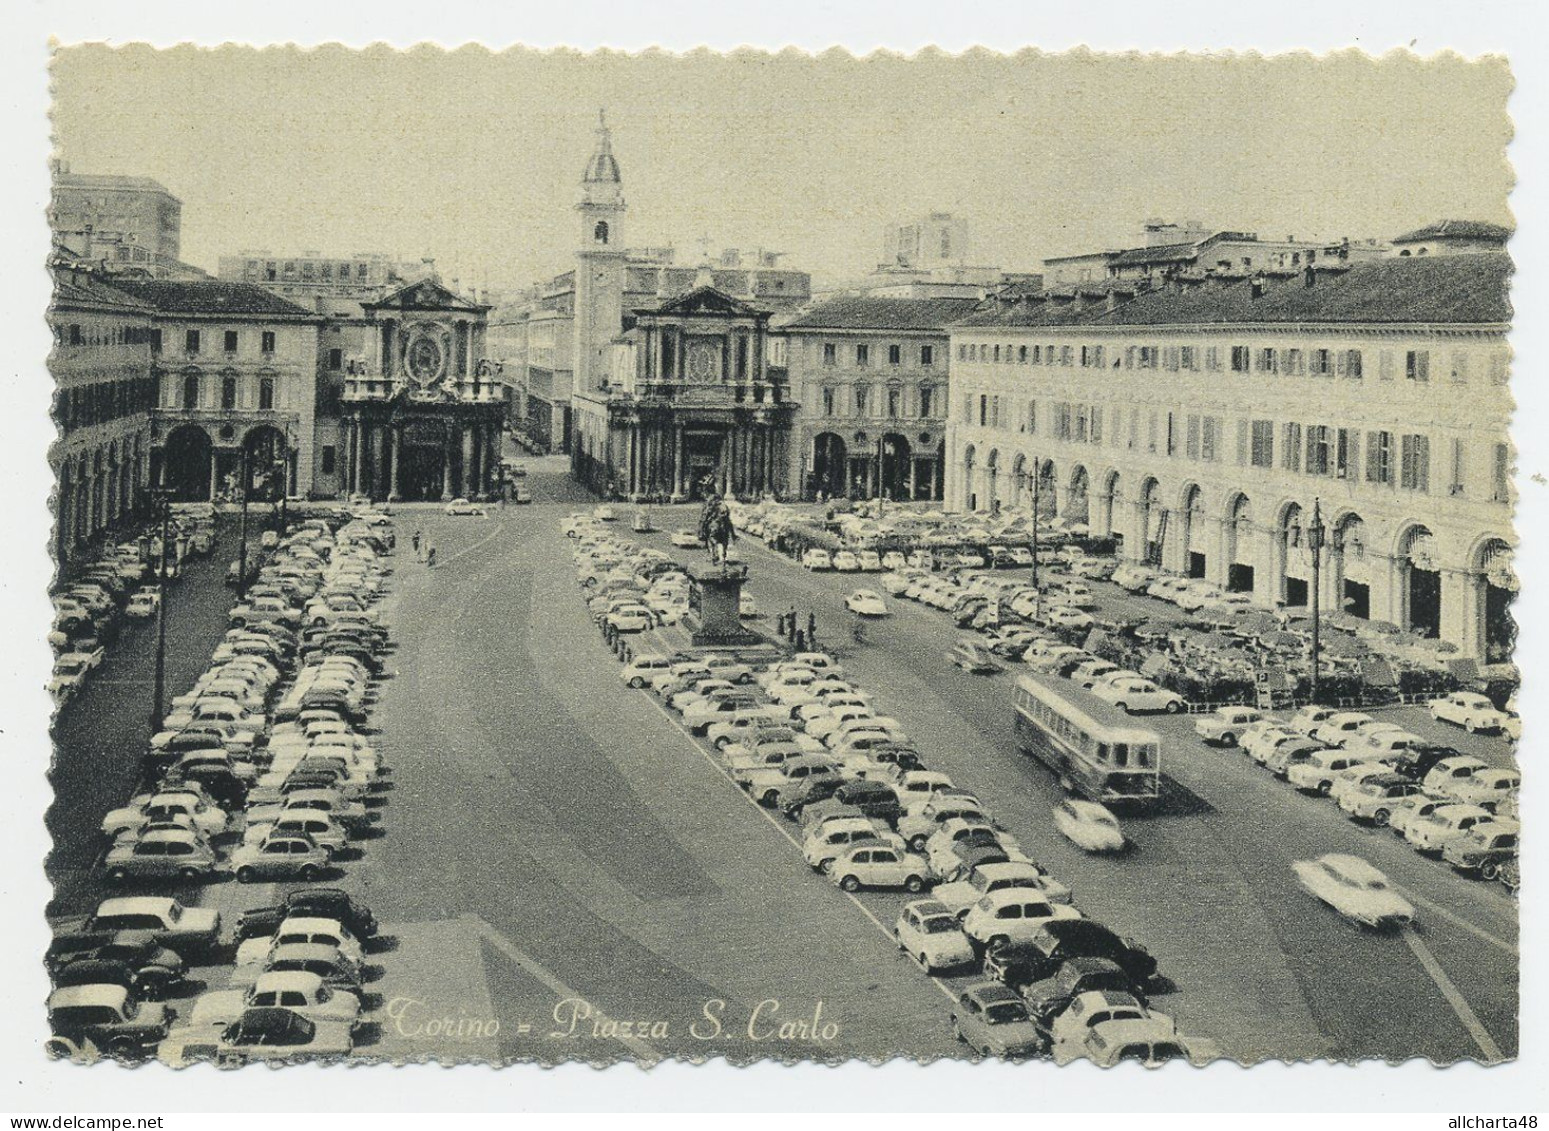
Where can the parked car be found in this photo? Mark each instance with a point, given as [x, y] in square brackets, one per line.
[109, 1017]
[815, 560]
[973, 657]
[1431, 832]
[866, 603]
[283, 856]
[264, 1034]
[1225, 725]
[1012, 915]
[1469, 710]
[327, 903]
[993, 1021]
[932, 936]
[1134, 694]
[1484, 849]
[879, 866]
[1059, 941]
[1049, 997]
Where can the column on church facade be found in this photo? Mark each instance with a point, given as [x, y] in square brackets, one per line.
[448, 450]
[467, 468]
[678, 459]
[394, 460]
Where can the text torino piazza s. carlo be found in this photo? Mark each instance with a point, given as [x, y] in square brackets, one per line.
[573, 1017]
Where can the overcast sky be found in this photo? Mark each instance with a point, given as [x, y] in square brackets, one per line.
[475, 158]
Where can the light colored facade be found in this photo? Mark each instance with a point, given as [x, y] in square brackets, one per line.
[237, 376]
[869, 376]
[104, 392]
[1202, 424]
[937, 239]
[298, 277]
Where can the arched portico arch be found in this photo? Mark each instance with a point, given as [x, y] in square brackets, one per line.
[970, 494]
[1238, 544]
[1419, 576]
[991, 479]
[1493, 576]
[186, 460]
[1350, 564]
[1078, 504]
[1191, 508]
[830, 459]
[1152, 520]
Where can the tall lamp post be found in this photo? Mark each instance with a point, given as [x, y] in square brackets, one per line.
[1315, 534]
[282, 470]
[242, 486]
[161, 497]
[1037, 484]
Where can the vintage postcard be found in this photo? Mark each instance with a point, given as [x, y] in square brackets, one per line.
[616, 557]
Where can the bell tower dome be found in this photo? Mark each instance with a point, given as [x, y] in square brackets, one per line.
[602, 193]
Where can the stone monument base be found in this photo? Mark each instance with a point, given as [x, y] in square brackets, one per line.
[715, 607]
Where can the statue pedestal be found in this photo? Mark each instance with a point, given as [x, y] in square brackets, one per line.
[714, 607]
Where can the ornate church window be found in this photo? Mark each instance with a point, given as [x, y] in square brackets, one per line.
[600, 232]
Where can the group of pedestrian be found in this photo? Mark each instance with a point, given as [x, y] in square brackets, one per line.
[424, 550]
[787, 625]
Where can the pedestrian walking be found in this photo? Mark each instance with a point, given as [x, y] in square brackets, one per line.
[801, 641]
[790, 624]
[430, 555]
[812, 629]
[416, 545]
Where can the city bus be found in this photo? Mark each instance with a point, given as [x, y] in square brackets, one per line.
[1096, 749]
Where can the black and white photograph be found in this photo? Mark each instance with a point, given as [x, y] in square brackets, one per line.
[571, 557]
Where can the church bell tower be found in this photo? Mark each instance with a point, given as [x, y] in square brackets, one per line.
[599, 272]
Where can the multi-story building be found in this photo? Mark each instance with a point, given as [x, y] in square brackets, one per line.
[869, 377]
[926, 258]
[937, 239]
[1172, 249]
[1204, 423]
[138, 209]
[364, 275]
[104, 393]
[237, 375]
[565, 327]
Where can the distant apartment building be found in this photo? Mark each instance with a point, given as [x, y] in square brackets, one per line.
[129, 225]
[1452, 237]
[925, 258]
[1192, 249]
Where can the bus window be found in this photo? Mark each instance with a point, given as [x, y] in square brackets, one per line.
[1121, 753]
[1143, 755]
[1102, 751]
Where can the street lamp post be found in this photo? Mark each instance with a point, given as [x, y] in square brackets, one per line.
[1037, 481]
[282, 469]
[1315, 533]
[161, 497]
[242, 485]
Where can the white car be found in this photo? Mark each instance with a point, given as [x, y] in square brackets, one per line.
[870, 561]
[464, 507]
[1012, 915]
[685, 539]
[631, 618]
[966, 887]
[70, 672]
[144, 603]
[814, 560]
[1340, 727]
[825, 843]
[1319, 772]
[1225, 725]
[296, 990]
[868, 865]
[1486, 788]
[932, 936]
[1063, 616]
[604, 513]
[846, 562]
[1134, 694]
[1355, 889]
[866, 603]
[642, 669]
[1471, 711]
[1308, 719]
[1445, 776]
[1102, 1011]
[1432, 832]
[1089, 826]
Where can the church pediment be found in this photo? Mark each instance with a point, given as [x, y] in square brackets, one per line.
[707, 300]
[426, 294]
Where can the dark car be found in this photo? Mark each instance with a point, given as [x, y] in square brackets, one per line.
[88, 971]
[158, 969]
[1418, 760]
[108, 1016]
[896, 754]
[810, 791]
[323, 903]
[970, 855]
[1023, 963]
[873, 798]
[1048, 997]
